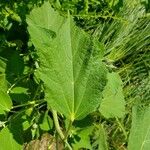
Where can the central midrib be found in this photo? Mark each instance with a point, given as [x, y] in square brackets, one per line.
[72, 64]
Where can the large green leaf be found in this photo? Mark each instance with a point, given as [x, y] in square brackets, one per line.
[70, 63]
[113, 104]
[5, 102]
[139, 138]
[7, 142]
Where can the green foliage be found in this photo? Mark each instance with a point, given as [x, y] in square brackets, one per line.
[74, 74]
[46, 122]
[5, 102]
[11, 142]
[82, 138]
[100, 138]
[70, 64]
[113, 104]
[139, 138]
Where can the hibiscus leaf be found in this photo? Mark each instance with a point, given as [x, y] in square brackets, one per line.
[70, 63]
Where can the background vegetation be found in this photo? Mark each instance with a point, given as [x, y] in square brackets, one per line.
[123, 28]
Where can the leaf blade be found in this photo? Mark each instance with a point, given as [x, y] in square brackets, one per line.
[113, 104]
[100, 138]
[70, 65]
[5, 102]
[139, 138]
[11, 143]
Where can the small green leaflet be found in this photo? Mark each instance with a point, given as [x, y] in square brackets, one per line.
[100, 138]
[70, 63]
[139, 138]
[113, 103]
[46, 122]
[5, 102]
[7, 141]
[83, 138]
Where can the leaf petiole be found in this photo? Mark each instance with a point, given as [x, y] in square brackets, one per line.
[57, 126]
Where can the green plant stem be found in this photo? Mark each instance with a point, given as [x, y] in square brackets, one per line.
[57, 126]
[35, 103]
[56, 122]
[69, 127]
